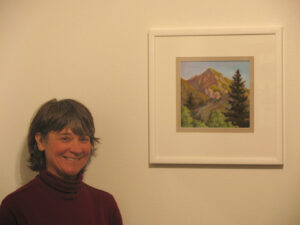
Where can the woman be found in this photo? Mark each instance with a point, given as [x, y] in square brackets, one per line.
[61, 142]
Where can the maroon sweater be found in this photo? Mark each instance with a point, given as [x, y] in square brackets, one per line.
[48, 200]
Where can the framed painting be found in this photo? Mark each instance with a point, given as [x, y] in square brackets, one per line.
[216, 96]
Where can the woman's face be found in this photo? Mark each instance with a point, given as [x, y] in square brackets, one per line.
[66, 153]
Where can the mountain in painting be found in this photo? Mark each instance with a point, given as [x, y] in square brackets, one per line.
[188, 90]
[206, 93]
[211, 83]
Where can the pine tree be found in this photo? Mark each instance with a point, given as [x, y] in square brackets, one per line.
[238, 113]
[191, 102]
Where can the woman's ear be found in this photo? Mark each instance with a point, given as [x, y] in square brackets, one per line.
[39, 140]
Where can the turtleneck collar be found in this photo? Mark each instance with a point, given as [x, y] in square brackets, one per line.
[66, 189]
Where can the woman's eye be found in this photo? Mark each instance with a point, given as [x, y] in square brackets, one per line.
[65, 138]
[85, 139]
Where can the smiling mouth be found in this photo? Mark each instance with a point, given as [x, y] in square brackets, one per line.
[71, 159]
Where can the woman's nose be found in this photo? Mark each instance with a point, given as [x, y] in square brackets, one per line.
[76, 146]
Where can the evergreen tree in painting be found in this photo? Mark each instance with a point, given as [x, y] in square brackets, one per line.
[191, 102]
[238, 112]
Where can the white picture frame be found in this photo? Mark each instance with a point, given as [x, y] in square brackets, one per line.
[263, 146]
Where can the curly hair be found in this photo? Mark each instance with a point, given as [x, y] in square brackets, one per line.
[55, 116]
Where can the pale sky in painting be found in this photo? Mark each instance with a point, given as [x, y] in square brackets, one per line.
[227, 68]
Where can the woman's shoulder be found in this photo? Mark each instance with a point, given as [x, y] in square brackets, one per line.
[104, 201]
[21, 193]
[98, 194]
[96, 191]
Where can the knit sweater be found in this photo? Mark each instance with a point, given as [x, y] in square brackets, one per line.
[49, 200]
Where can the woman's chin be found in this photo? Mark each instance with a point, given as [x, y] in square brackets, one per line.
[70, 174]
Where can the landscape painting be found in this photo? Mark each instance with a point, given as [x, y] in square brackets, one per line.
[215, 94]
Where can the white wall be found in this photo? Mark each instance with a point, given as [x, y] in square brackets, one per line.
[96, 52]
